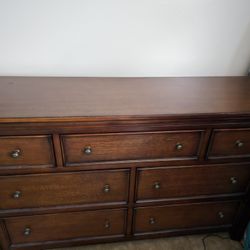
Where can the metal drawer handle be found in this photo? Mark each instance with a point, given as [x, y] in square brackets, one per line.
[27, 231]
[17, 194]
[87, 150]
[239, 144]
[16, 153]
[152, 221]
[157, 185]
[233, 180]
[179, 146]
[107, 224]
[106, 188]
[221, 215]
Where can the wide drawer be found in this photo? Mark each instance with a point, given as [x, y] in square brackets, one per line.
[178, 182]
[43, 190]
[131, 146]
[63, 226]
[26, 151]
[229, 143]
[186, 216]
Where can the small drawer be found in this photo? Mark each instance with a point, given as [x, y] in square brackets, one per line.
[131, 146]
[179, 182]
[80, 188]
[180, 217]
[229, 143]
[26, 151]
[63, 226]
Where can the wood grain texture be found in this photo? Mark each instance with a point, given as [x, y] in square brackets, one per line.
[178, 182]
[66, 225]
[57, 150]
[132, 126]
[60, 99]
[34, 150]
[121, 147]
[64, 189]
[230, 143]
[183, 216]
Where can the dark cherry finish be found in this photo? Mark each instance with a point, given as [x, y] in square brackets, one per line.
[18, 151]
[117, 147]
[44, 190]
[33, 99]
[4, 237]
[63, 226]
[172, 217]
[87, 160]
[230, 143]
[176, 182]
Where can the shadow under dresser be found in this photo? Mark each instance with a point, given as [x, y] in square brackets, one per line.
[88, 160]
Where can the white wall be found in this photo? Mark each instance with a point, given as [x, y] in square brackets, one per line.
[124, 37]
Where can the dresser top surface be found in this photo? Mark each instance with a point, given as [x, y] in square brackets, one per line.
[61, 99]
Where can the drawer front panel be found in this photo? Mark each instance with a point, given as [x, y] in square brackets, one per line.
[64, 189]
[164, 218]
[174, 182]
[26, 151]
[135, 146]
[65, 226]
[230, 143]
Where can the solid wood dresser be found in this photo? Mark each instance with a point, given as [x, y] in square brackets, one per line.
[87, 160]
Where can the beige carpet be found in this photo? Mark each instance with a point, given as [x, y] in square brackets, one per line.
[193, 242]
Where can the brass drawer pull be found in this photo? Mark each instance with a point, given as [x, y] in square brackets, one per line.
[152, 221]
[16, 153]
[239, 144]
[221, 215]
[157, 185]
[179, 146]
[106, 188]
[17, 194]
[87, 150]
[233, 180]
[107, 224]
[27, 231]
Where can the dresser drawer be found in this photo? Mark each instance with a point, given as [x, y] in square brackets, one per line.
[174, 217]
[63, 226]
[131, 146]
[64, 189]
[229, 143]
[26, 151]
[176, 182]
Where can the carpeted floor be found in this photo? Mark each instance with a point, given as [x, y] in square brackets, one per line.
[194, 242]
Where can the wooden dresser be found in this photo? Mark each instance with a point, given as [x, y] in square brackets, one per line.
[87, 160]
